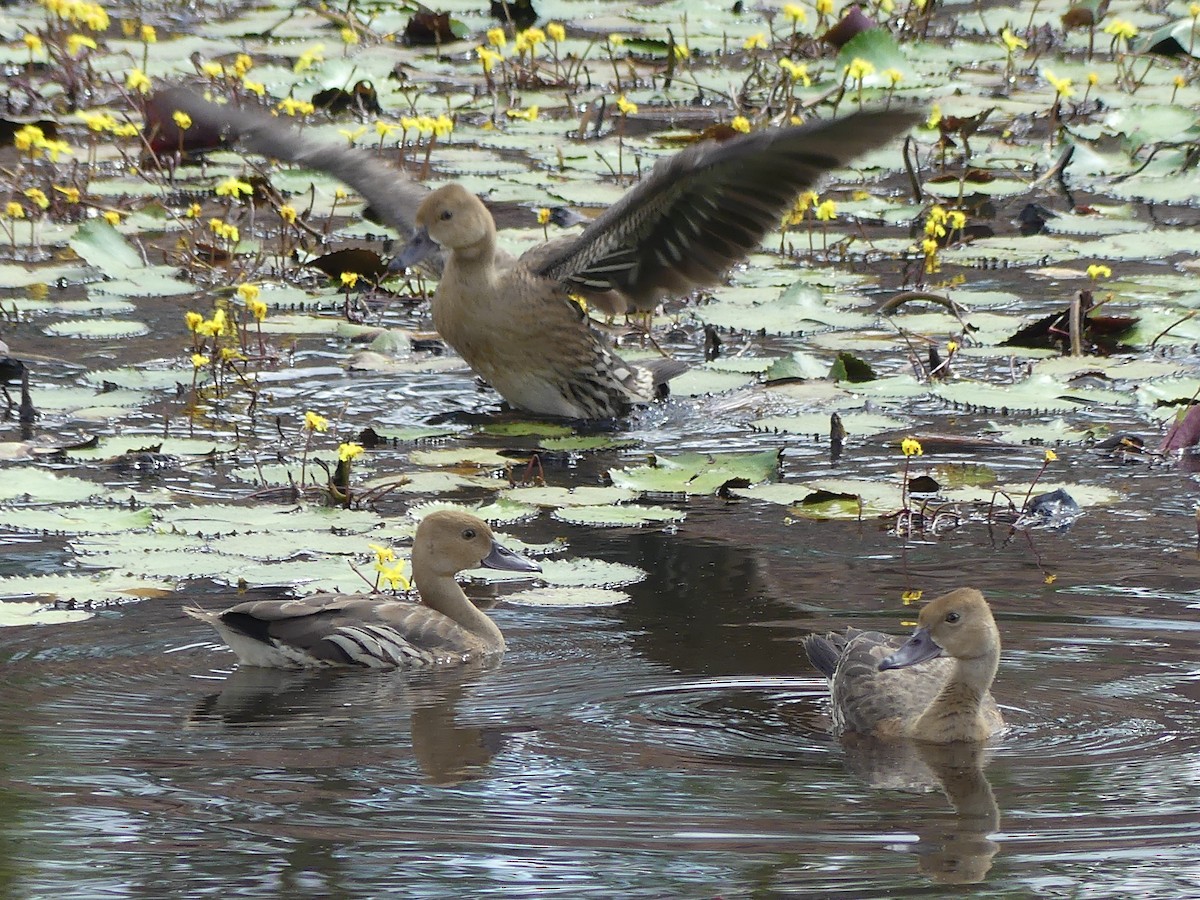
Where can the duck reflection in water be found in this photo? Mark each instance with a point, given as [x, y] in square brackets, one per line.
[915, 714]
[446, 751]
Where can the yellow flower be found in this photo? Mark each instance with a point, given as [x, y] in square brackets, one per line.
[14, 210]
[556, 32]
[213, 69]
[894, 76]
[1012, 43]
[149, 35]
[394, 576]
[193, 211]
[193, 320]
[294, 107]
[309, 58]
[124, 130]
[487, 57]
[935, 116]
[224, 230]
[952, 347]
[242, 64]
[1051, 456]
[616, 40]
[756, 41]
[349, 35]
[70, 194]
[858, 69]
[349, 279]
[234, 187]
[38, 196]
[682, 52]
[347, 452]
[232, 354]
[798, 71]
[533, 36]
[257, 308]
[911, 447]
[527, 114]
[496, 37]
[908, 598]
[383, 129]
[77, 42]
[740, 123]
[1062, 86]
[1096, 271]
[1120, 28]
[248, 291]
[383, 554]
[443, 125]
[826, 211]
[112, 217]
[543, 216]
[627, 107]
[315, 422]
[1179, 81]
[1194, 10]
[795, 13]
[1050, 578]
[354, 135]
[219, 322]
[33, 42]
[340, 194]
[199, 360]
[287, 212]
[182, 119]
[254, 87]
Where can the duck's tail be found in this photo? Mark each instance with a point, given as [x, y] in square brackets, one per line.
[823, 653]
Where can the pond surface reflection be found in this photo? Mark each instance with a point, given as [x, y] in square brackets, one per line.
[671, 746]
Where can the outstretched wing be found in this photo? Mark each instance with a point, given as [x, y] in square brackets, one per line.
[706, 207]
[392, 195]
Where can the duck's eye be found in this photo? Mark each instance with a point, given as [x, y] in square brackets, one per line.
[952, 617]
[446, 215]
[468, 534]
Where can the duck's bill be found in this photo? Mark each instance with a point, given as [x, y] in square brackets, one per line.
[916, 649]
[419, 247]
[503, 558]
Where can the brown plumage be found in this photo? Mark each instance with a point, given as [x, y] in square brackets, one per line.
[944, 697]
[693, 216]
[366, 630]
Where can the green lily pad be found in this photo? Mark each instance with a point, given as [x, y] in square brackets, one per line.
[623, 515]
[567, 596]
[697, 473]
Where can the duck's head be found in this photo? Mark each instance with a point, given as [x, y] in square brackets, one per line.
[958, 624]
[449, 541]
[450, 217]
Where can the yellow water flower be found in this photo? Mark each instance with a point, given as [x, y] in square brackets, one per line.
[193, 320]
[487, 57]
[248, 291]
[894, 76]
[254, 87]
[348, 451]
[496, 37]
[1011, 42]
[795, 12]
[394, 576]
[911, 447]
[213, 69]
[740, 123]
[543, 216]
[681, 51]
[293, 107]
[823, 7]
[908, 598]
[310, 58]
[38, 196]
[858, 69]
[626, 106]
[797, 71]
[528, 114]
[349, 35]
[182, 119]
[70, 194]
[1051, 456]
[148, 34]
[33, 42]
[349, 279]
[242, 64]
[756, 41]
[112, 217]
[1120, 28]
[234, 187]
[199, 360]
[287, 212]
[556, 32]
[193, 211]
[443, 125]
[383, 554]
[616, 40]
[1096, 271]
[14, 210]
[1062, 86]
[77, 42]
[315, 422]
[826, 211]
[353, 135]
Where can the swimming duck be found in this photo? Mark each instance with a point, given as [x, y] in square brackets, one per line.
[327, 630]
[874, 691]
[514, 320]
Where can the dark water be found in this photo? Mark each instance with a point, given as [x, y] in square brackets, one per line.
[671, 746]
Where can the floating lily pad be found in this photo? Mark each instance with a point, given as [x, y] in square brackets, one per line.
[102, 587]
[697, 473]
[626, 514]
[97, 329]
[567, 596]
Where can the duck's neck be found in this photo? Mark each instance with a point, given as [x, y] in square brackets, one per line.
[442, 593]
[956, 712]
